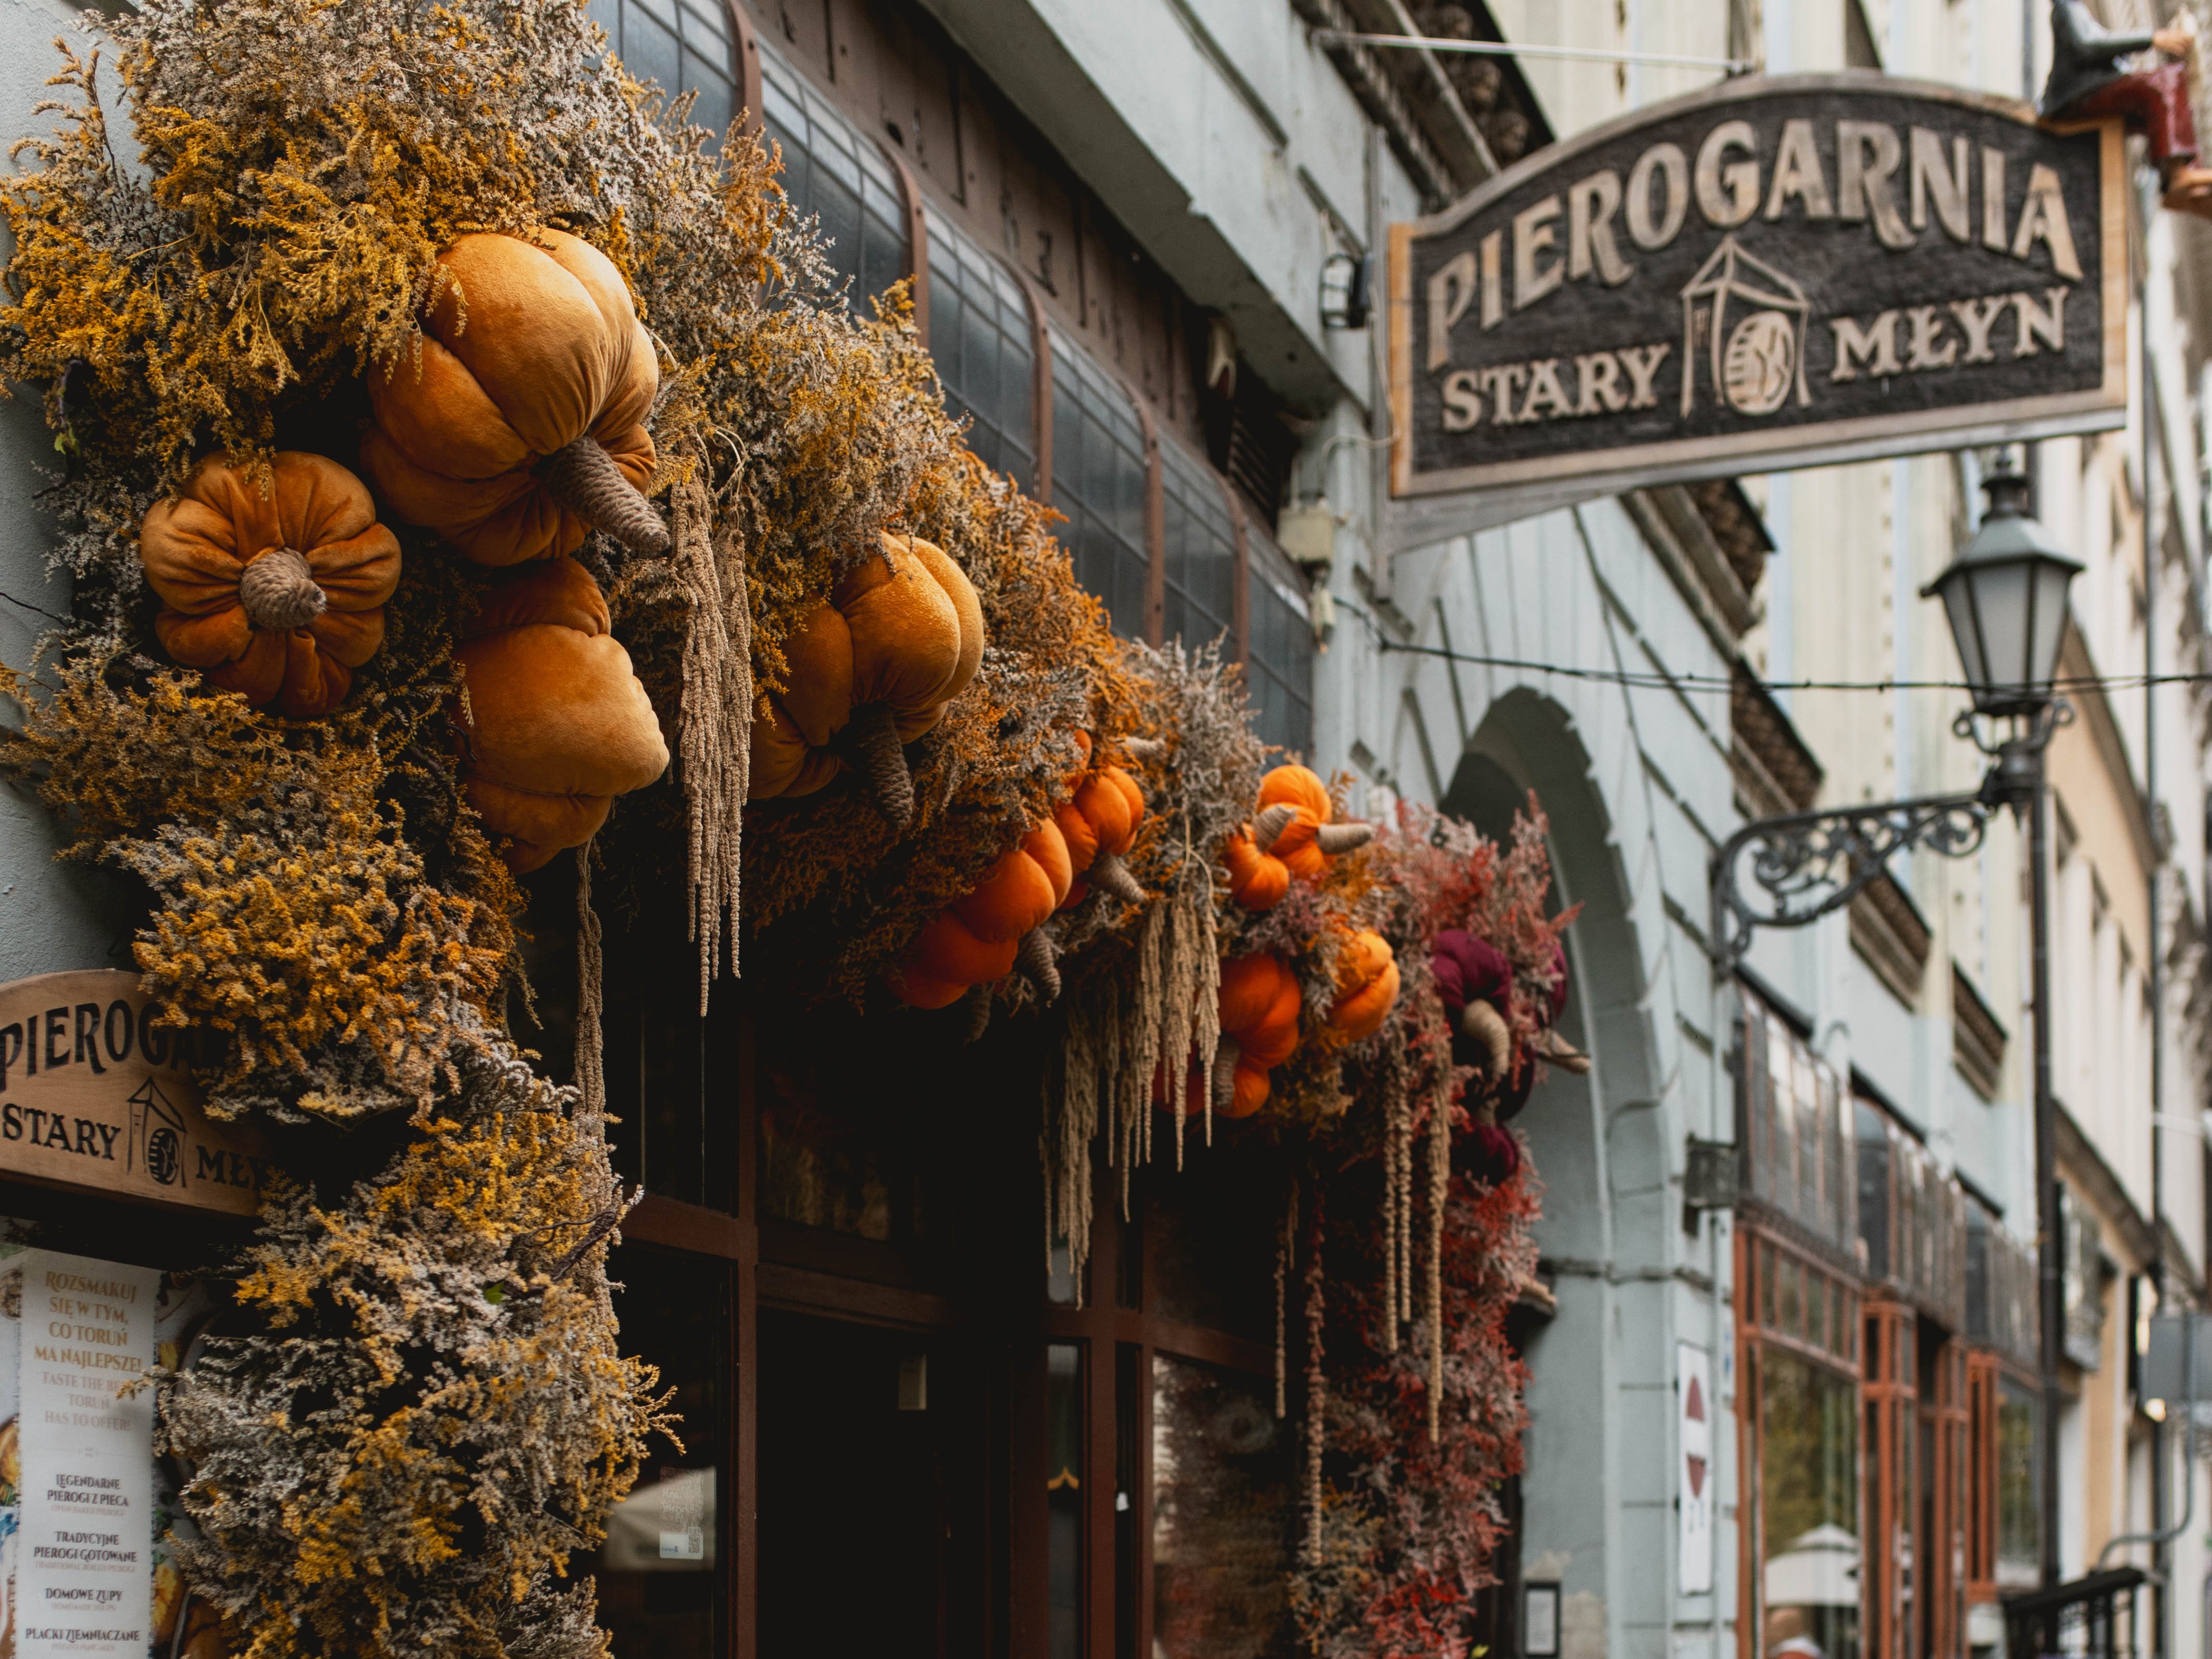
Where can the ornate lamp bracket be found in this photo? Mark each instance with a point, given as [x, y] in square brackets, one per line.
[1803, 866]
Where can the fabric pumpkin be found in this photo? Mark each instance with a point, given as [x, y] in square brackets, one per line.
[276, 590]
[1260, 1005]
[1366, 986]
[1257, 880]
[1292, 835]
[554, 724]
[1295, 824]
[1475, 982]
[871, 671]
[1100, 825]
[522, 427]
[984, 937]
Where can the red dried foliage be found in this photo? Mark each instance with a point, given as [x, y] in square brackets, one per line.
[1457, 877]
[1408, 1527]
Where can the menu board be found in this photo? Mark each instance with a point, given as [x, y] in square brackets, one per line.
[84, 1578]
[85, 1510]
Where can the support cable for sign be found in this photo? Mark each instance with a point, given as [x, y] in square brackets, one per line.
[1514, 49]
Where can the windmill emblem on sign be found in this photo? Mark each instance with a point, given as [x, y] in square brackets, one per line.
[157, 1133]
[1746, 322]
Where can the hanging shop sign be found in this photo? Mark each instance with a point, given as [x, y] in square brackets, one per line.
[1770, 274]
[94, 1093]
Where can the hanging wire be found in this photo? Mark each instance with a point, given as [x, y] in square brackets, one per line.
[1657, 680]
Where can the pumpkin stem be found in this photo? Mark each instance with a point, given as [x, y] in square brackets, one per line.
[1485, 1025]
[870, 744]
[1555, 1050]
[1335, 838]
[1107, 873]
[1271, 824]
[277, 591]
[1145, 749]
[978, 1009]
[584, 478]
[1036, 958]
[1224, 1081]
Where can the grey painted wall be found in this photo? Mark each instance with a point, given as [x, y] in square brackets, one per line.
[58, 916]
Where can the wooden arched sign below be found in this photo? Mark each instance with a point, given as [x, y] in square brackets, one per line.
[94, 1095]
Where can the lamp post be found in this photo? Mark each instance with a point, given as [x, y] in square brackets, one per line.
[2004, 595]
[2005, 598]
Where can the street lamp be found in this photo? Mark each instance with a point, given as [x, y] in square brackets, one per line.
[2004, 596]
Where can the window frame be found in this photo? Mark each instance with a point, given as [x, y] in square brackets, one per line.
[1118, 1344]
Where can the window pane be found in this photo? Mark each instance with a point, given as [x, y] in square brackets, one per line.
[1222, 1517]
[649, 49]
[2020, 1533]
[657, 1070]
[979, 333]
[1201, 550]
[1098, 481]
[1063, 1488]
[833, 171]
[840, 1145]
[1809, 1480]
[1281, 667]
[860, 1459]
[661, 1571]
[1214, 1232]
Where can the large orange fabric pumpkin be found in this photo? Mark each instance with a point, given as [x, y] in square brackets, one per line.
[277, 590]
[1367, 985]
[555, 725]
[982, 937]
[1259, 1002]
[871, 670]
[522, 426]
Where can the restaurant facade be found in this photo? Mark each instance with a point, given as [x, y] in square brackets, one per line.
[1796, 1413]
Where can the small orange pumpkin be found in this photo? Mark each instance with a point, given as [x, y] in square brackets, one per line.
[521, 426]
[1257, 880]
[871, 671]
[277, 590]
[1292, 835]
[1260, 1004]
[1367, 985]
[555, 725]
[984, 937]
[1294, 824]
[1100, 825]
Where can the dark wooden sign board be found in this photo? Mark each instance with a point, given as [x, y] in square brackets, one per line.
[94, 1094]
[1769, 274]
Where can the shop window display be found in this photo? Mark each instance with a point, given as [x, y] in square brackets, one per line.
[662, 1570]
[1808, 1510]
[1222, 1517]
